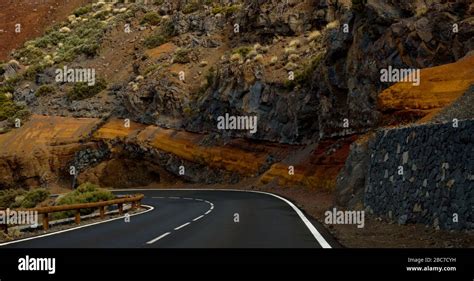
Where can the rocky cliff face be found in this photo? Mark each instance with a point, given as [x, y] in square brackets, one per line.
[186, 63]
[345, 83]
[382, 34]
[238, 56]
[445, 96]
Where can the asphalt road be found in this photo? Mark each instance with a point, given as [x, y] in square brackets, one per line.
[198, 219]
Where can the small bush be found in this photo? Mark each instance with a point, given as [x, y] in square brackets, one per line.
[151, 18]
[85, 193]
[333, 25]
[314, 35]
[253, 53]
[226, 10]
[421, 11]
[83, 10]
[90, 49]
[45, 90]
[303, 77]
[211, 77]
[32, 71]
[295, 43]
[293, 57]
[257, 47]
[34, 197]
[243, 51]
[236, 57]
[6, 89]
[8, 196]
[291, 66]
[30, 55]
[273, 60]
[82, 91]
[290, 50]
[151, 69]
[12, 81]
[20, 198]
[10, 110]
[191, 7]
[181, 56]
[258, 58]
[102, 15]
[154, 41]
[83, 39]
[22, 113]
[168, 29]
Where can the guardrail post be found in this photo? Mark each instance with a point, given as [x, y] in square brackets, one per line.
[45, 221]
[102, 212]
[120, 208]
[77, 218]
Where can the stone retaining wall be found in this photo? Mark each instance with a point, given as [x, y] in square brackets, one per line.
[423, 174]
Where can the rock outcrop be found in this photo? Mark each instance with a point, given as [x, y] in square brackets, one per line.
[439, 87]
[381, 34]
[39, 153]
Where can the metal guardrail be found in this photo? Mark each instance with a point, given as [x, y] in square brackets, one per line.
[135, 200]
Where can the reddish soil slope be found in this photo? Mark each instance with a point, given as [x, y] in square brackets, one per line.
[35, 16]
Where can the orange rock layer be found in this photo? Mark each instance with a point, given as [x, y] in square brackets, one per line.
[439, 87]
[39, 151]
[245, 159]
[318, 169]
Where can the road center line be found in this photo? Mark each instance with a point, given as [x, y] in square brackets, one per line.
[198, 218]
[186, 224]
[179, 227]
[158, 238]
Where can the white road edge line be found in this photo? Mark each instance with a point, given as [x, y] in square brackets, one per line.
[158, 238]
[324, 244]
[150, 208]
[198, 218]
[181, 226]
[319, 238]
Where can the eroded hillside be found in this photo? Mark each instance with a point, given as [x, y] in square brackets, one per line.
[166, 71]
[298, 66]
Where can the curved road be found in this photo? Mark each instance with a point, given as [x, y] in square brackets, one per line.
[197, 219]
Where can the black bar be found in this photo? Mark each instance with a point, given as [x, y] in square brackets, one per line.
[238, 264]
